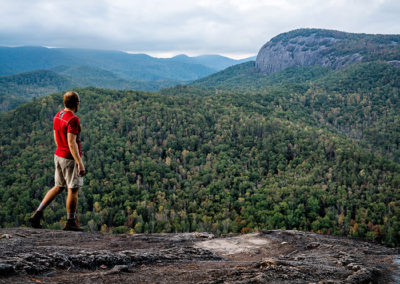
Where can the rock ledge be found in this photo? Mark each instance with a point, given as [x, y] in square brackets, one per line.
[275, 256]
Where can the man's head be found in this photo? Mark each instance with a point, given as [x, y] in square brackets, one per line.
[71, 100]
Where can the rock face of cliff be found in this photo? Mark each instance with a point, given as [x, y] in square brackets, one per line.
[307, 47]
[275, 256]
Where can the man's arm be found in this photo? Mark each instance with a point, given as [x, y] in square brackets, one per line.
[55, 139]
[73, 147]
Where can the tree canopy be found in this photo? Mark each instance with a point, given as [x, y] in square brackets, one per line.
[308, 149]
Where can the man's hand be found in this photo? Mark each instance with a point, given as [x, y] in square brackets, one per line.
[81, 170]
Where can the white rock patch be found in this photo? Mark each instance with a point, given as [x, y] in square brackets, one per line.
[240, 244]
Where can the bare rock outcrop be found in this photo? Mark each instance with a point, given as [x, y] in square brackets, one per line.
[308, 47]
[275, 256]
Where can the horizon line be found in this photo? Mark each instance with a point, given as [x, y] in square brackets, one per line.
[155, 54]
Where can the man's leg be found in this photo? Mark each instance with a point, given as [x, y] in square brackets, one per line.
[72, 202]
[74, 182]
[48, 198]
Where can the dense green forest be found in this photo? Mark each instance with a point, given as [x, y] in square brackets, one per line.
[360, 101]
[303, 149]
[88, 76]
[21, 88]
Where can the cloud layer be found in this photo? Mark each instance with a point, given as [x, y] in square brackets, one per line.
[232, 27]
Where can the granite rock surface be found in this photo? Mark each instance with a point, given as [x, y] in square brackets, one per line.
[274, 256]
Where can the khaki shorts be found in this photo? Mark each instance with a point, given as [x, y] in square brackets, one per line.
[66, 174]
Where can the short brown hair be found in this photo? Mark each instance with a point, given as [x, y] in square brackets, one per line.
[71, 99]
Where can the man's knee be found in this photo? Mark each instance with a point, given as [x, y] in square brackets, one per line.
[59, 189]
[73, 190]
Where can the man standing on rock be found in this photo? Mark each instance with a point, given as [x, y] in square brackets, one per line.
[69, 168]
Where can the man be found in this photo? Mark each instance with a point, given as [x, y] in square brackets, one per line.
[69, 168]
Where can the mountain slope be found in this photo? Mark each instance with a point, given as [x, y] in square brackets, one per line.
[99, 68]
[216, 62]
[360, 101]
[245, 77]
[130, 66]
[104, 69]
[29, 58]
[307, 47]
[21, 88]
[84, 76]
[223, 163]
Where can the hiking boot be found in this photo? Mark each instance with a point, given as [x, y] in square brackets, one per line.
[72, 225]
[35, 219]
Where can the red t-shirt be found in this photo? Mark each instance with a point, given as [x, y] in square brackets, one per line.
[66, 122]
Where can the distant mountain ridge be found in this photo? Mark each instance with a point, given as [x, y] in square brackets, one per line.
[21, 88]
[85, 76]
[216, 62]
[328, 48]
[125, 65]
[71, 68]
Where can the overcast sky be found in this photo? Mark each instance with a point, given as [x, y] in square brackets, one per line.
[236, 28]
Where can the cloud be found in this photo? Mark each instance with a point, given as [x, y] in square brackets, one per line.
[194, 27]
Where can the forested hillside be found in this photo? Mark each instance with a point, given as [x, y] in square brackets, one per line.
[21, 88]
[360, 101]
[314, 148]
[226, 162]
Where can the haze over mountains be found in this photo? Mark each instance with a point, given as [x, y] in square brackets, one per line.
[69, 68]
[134, 66]
[313, 145]
[24, 76]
